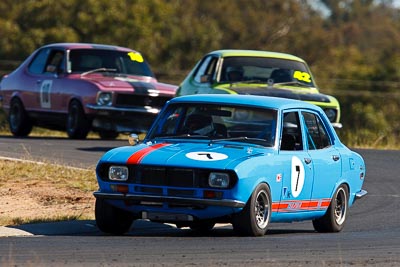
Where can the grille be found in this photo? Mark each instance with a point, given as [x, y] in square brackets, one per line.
[173, 177]
[147, 178]
[130, 100]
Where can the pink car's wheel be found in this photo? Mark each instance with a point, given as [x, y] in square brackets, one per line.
[18, 119]
[78, 125]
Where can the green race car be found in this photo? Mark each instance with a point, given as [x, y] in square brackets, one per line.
[252, 72]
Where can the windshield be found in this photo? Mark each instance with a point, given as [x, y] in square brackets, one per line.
[90, 60]
[264, 70]
[216, 122]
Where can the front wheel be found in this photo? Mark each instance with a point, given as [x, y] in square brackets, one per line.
[78, 125]
[335, 216]
[253, 220]
[112, 220]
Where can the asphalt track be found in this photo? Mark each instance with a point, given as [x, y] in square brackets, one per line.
[371, 235]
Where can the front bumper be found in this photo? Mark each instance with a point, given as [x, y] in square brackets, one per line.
[143, 199]
[119, 119]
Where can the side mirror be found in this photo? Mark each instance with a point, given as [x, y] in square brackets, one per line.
[133, 139]
[205, 78]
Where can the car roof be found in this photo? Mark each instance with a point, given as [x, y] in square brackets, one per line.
[247, 100]
[69, 46]
[255, 53]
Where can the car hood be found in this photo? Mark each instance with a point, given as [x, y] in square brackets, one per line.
[142, 85]
[281, 92]
[193, 155]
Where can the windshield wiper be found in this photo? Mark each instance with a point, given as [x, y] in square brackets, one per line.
[245, 81]
[293, 83]
[181, 136]
[98, 70]
[258, 141]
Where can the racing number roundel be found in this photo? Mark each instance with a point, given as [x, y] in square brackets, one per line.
[297, 180]
[206, 156]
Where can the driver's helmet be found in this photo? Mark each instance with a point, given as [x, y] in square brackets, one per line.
[199, 124]
[234, 73]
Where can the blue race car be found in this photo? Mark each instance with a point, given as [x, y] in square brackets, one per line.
[239, 159]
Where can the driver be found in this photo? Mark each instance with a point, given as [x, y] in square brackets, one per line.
[234, 74]
[199, 124]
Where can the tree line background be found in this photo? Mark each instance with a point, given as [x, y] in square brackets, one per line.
[352, 46]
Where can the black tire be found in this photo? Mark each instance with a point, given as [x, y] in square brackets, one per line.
[202, 226]
[112, 220]
[78, 126]
[108, 135]
[335, 216]
[254, 219]
[19, 122]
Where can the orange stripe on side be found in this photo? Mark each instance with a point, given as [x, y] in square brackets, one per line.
[301, 205]
[138, 156]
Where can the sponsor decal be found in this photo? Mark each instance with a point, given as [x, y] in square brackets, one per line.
[302, 76]
[135, 56]
[206, 156]
[301, 205]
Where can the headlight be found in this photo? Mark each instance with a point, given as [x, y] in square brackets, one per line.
[118, 173]
[104, 99]
[218, 179]
[331, 114]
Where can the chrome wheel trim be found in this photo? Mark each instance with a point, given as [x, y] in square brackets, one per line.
[340, 208]
[261, 209]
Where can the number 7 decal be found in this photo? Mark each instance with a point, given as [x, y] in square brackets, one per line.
[297, 176]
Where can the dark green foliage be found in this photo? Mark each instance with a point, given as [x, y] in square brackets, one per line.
[353, 47]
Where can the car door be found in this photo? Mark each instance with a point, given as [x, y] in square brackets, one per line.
[54, 92]
[326, 158]
[36, 82]
[43, 72]
[204, 75]
[298, 173]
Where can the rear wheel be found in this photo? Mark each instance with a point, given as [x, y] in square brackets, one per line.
[335, 216]
[112, 220]
[78, 125]
[253, 220]
[18, 119]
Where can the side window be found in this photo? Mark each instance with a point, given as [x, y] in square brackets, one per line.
[206, 67]
[317, 136]
[37, 66]
[291, 138]
[55, 63]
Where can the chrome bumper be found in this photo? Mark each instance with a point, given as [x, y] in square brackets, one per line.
[361, 194]
[144, 109]
[169, 199]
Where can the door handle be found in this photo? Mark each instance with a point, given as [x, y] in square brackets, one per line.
[335, 157]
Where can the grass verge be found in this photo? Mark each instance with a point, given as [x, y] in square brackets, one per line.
[42, 192]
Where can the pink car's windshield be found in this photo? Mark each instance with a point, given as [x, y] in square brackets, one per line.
[86, 60]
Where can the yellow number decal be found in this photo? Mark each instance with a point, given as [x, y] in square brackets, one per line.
[135, 56]
[302, 76]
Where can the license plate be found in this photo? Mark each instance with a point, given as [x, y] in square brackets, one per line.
[160, 216]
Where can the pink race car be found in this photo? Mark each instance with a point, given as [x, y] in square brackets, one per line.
[80, 87]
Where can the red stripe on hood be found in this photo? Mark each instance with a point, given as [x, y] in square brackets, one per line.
[138, 156]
